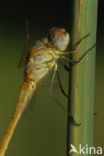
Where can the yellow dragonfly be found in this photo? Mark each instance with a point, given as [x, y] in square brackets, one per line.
[43, 57]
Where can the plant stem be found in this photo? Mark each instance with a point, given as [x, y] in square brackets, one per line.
[82, 75]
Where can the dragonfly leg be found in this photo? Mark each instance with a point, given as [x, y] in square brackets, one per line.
[76, 47]
[64, 65]
[59, 81]
[53, 78]
[57, 101]
[81, 59]
[80, 41]
[72, 120]
[60, 84]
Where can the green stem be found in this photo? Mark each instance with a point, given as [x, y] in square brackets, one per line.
[81, 84]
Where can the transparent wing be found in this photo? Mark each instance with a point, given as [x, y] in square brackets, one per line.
[42, 103]
[23, 59]
[25, 53]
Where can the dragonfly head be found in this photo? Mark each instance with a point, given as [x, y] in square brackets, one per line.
[59, 38]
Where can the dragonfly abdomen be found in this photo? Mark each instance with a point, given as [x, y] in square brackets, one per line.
[26, 91]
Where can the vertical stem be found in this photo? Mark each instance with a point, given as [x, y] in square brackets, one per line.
[81, 83]
[68, 118]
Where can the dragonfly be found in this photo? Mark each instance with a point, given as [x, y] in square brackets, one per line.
[43, 57]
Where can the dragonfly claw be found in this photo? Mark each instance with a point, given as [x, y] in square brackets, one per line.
[73, 122]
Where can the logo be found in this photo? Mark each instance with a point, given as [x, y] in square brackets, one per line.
[85, 150]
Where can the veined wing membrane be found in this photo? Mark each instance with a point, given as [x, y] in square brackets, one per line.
[42, 103]
[25, 53]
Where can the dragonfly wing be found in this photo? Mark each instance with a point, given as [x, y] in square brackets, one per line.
[42, 103]
[26, 51]
[22, 62]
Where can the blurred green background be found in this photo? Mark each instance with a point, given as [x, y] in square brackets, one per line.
[45, 136]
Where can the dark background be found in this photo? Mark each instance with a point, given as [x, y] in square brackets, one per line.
[46, 136]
